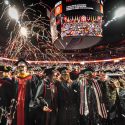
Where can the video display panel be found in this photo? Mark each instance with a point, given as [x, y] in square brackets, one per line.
[95, 5]
[81, 26]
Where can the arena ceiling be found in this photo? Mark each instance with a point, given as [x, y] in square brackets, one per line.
[113, 35]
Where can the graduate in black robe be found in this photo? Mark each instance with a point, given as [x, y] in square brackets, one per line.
[50, 95]
[68, 101]
[6, 94]
[92, 107]
[26, 87]
[117, 102]
[37, 103]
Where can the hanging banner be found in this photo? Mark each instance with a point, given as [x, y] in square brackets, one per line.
[96, 5]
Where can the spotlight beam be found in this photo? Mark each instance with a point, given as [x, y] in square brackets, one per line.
[118, 14]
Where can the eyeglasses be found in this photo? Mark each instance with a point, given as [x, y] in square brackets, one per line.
[65, 74]
[21, 66]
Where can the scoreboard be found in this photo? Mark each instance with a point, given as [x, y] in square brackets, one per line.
[76, 18]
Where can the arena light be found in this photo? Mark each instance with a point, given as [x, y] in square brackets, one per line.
[6, 2]
[108, 22]
[23, 31]
[82, 63]
[116, 60]
[13, 13]
[119, 12]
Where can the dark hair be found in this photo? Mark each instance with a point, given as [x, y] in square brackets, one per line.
[21, 60]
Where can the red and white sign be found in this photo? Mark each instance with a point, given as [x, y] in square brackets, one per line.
[58, 10]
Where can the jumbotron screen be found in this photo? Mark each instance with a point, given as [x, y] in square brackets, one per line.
[81, 26]
[95, 5]
[77, 18]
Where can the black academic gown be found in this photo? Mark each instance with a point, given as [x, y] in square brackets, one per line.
[68, 104]
[117, 111]
[37, 102]
[49, 93]
[6, 94]
[32, 105]
[105, 92]
[104, 99]
[93, 117]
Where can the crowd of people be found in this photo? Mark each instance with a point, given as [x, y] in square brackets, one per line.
[62, 94]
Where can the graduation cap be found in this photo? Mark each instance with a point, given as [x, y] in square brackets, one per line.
[49, 71]
[21, 62]
[87, 71]
[43, 67]
[1, 68]
[108, 72]
[5, 68]
[62, 69]
[54, 66]
[118, 72]
[37, 69]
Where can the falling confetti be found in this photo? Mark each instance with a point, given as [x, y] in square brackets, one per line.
[30, 38]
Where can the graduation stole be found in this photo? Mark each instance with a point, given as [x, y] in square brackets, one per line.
[1, 82]
[23, 75]
[84, 110]
[53, 90]
[100, 105]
